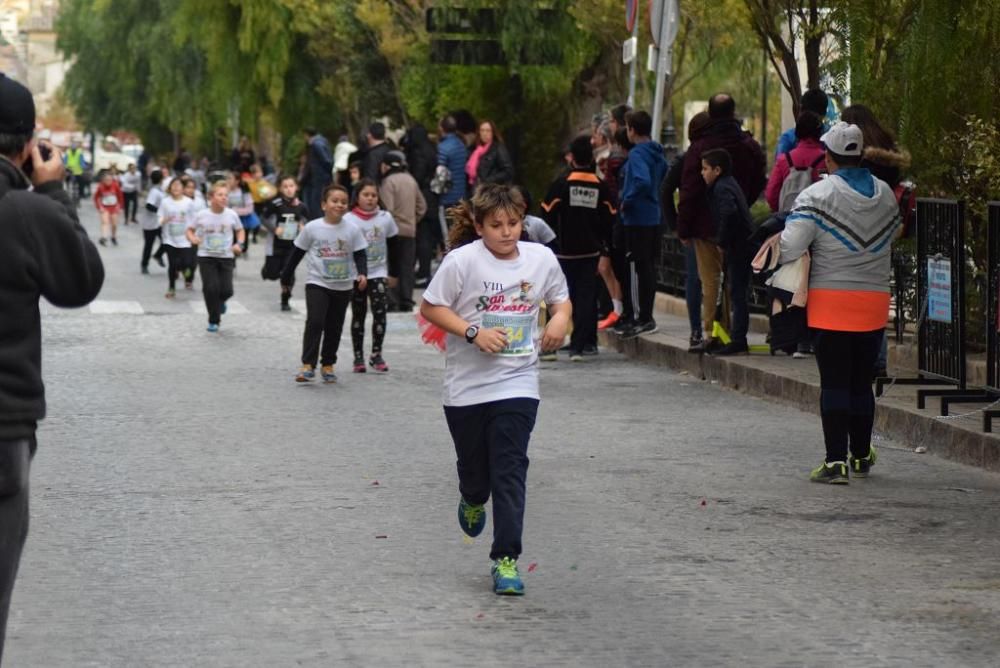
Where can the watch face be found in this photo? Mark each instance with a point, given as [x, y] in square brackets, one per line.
[471, 332]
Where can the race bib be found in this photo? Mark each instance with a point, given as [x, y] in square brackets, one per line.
[376, 251]
[336, 268]
[109, 200]
[520, 329]
[215, 243]
[289, 231]
[175, 230]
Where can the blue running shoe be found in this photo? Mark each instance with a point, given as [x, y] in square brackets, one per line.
[212, 327]
[471, 518]
[327, 373]
[506, 579]
[223, 308]
[306, 373]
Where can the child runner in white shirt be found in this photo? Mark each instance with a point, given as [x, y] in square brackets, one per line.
[336, 263]
[219, 236]
[486, 295]
[378, 226]
[175, 212]
[151, 221]
[191, 192]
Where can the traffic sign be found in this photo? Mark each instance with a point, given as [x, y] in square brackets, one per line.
[631, 14]
[629, 48]
[660, 11]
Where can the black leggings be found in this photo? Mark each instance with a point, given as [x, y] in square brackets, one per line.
[326, 311]
[216, 284]
[149, 237]
[847, 404]
[15, 463]
[377, 293]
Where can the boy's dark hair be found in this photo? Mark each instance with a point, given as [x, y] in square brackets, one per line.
[156, 177]
[816, 101]
[448, 123]
[640, 122]
[718, 157]
[583, 152]
[285, 177]
[311, 131]
[845, 160]
[619, 112]
[330, 188]
[621, 138]
[808, 126]
[377, 130]
[721, 106]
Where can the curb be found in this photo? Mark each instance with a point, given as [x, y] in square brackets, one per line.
[896, 417]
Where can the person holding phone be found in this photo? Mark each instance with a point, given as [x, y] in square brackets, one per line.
[45, 253]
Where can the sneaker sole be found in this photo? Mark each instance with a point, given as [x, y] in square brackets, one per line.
[299, 379]
[831, 481]
[509, 591]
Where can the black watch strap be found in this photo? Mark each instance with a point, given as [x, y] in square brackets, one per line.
[471, 332]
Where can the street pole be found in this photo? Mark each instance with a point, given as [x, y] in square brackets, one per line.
[632, 66]
[664, 63]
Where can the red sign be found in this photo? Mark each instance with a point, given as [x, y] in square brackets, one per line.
[631, 14]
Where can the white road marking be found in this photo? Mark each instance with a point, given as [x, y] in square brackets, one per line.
[109, 307]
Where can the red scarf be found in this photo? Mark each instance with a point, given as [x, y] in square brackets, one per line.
[362, 214]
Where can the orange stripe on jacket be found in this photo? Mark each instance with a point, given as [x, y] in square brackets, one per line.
[587, 177]
[847, 310]
[548, 205]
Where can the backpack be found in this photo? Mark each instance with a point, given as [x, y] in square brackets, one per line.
[441, 181]
[798, 179]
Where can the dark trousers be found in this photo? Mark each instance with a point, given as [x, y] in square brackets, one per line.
[216, 284]
[738, 273]
[149, 237]
[180, 261]
[642, 245]
[581, 279]
[325, 313]
[406, 256]
[491, 441]
[376, 293]
[692, 288]
[131, 206]
[271, 271]
[15, 464]
[619, 263]
[429, 239]
[847, 404]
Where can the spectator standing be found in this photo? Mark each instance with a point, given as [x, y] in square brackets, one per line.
[806, 160]
[371, 164]
[847, 222]
[640, 211]
[401, 197]
[813, 100]
[451, 157]
[694, 220]
[317, 171]
[421, 156]
[45, 253]
[490, 162]
[241, 158]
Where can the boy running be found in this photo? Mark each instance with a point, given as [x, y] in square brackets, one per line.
[219, 236]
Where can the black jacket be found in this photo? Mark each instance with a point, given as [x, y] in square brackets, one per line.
[579, 210]
[421, 157]
[371, 165]
[44, 252]
[671, 184]
[730, 214]
[495, 166]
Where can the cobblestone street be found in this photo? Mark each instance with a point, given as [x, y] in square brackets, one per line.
[193, 506]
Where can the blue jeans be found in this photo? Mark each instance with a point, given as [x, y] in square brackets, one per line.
[692, 288]
[491, 441]
[738, 272]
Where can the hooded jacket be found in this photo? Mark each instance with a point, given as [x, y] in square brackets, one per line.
[886, 164]
[749, 165]
[452, 154]
[641, 178]
[45, 252]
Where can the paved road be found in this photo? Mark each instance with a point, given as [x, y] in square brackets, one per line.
[192, 506]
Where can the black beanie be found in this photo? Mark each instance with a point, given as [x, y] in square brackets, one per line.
[17, 108]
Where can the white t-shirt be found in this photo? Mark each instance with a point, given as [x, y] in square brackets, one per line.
[150, 219]
[199, 201]
[489, 292]
[217, 232]
[175, 216]
[130, 182]
[330, 252]
[538, 230]
[377, 231]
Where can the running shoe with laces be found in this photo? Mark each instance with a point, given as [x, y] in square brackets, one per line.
[506, 578]
[472, 518]
[832, 473]
[378, 364]
[171, 293]
[549, 356]
[609, 321]
[326, 372]
[306, 373]
[212, 327]
[860, 468]
[359, 365]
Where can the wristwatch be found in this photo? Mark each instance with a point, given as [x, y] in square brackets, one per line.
[471, 332]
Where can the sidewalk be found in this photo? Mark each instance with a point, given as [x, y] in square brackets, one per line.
[796, 382]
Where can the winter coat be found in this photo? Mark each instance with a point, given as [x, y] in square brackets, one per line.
[371, 164]
[452, 154]
[886, 164]
[421, 158]
[400, 195]
[45, 253]
[749, 165]
[495, 166]
[319, 163]
[671, 182]
[730, 214]
[641, 178]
